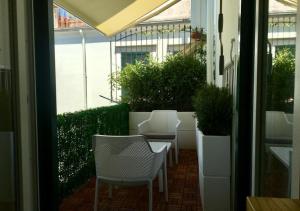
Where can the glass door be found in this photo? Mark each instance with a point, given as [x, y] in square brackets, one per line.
[7, 145]
[275, 145]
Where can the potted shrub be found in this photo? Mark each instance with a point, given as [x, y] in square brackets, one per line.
[198, 35]
[213, 107]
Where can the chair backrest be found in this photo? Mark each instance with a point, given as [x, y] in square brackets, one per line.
[123, 157]
[163, 120]
[278, 125]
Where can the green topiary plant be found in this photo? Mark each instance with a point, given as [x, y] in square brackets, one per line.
[213, 107]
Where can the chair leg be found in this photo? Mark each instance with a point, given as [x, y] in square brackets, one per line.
[176, 152]
[161, 180]
[110, 191]
[96, 194]
[170, 157]
[165, 180]
[150, 196]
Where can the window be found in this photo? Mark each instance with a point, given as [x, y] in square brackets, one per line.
[132, 57]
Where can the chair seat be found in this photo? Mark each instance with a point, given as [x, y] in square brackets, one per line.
[150, 135]
[127, 168]
[279, 140]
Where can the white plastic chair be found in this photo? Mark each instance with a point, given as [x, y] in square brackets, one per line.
[279, 127]
[161, 125]
[127, 160]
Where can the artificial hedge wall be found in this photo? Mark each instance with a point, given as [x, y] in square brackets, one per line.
[75, 131]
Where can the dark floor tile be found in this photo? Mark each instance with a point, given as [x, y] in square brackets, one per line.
[183, 192]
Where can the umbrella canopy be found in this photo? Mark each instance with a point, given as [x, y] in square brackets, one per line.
[292, 3]
[113, 16]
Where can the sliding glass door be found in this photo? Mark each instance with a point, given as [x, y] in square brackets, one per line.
[275, 99]
[7, 132]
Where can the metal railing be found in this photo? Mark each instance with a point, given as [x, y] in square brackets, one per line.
[155, 40]
[282, 29]
[158, 39]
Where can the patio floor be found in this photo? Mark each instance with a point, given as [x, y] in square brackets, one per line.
[183, 192]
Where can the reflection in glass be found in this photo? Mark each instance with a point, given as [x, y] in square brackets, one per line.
[7, 173]
[279, 101]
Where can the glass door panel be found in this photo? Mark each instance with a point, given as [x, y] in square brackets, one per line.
[278, 97]
[7, 155]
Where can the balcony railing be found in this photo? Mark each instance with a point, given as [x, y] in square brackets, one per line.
[282, 29]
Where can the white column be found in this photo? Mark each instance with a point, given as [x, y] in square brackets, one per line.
[195, 13]
[199, 14]
[296, 130]
[210, 40]
[203, 14]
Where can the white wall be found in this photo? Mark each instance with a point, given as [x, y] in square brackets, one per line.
[69, 56]
[98, 71]
[186, 131]
[69, 77]
[199, 14]
[230, 31]
[69, 63]
[210, 41]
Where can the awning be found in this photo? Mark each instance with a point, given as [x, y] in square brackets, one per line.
[113, 16]
[292, 3]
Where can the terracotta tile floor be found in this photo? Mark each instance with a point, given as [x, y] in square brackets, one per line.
[183, 192]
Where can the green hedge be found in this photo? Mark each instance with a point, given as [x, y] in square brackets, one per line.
[149, 85]
[75, 131]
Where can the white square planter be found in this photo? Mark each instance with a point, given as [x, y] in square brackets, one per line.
[214, 171]
[213, 154]
[215, 193]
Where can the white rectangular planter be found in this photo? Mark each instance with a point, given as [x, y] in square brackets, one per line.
[214, 171]
[186, 131]
[215, 193]
[213, 154]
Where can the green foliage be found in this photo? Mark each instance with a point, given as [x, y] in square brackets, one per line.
[282, 79]
[152, 85]
[213, 107]
[75, 131]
